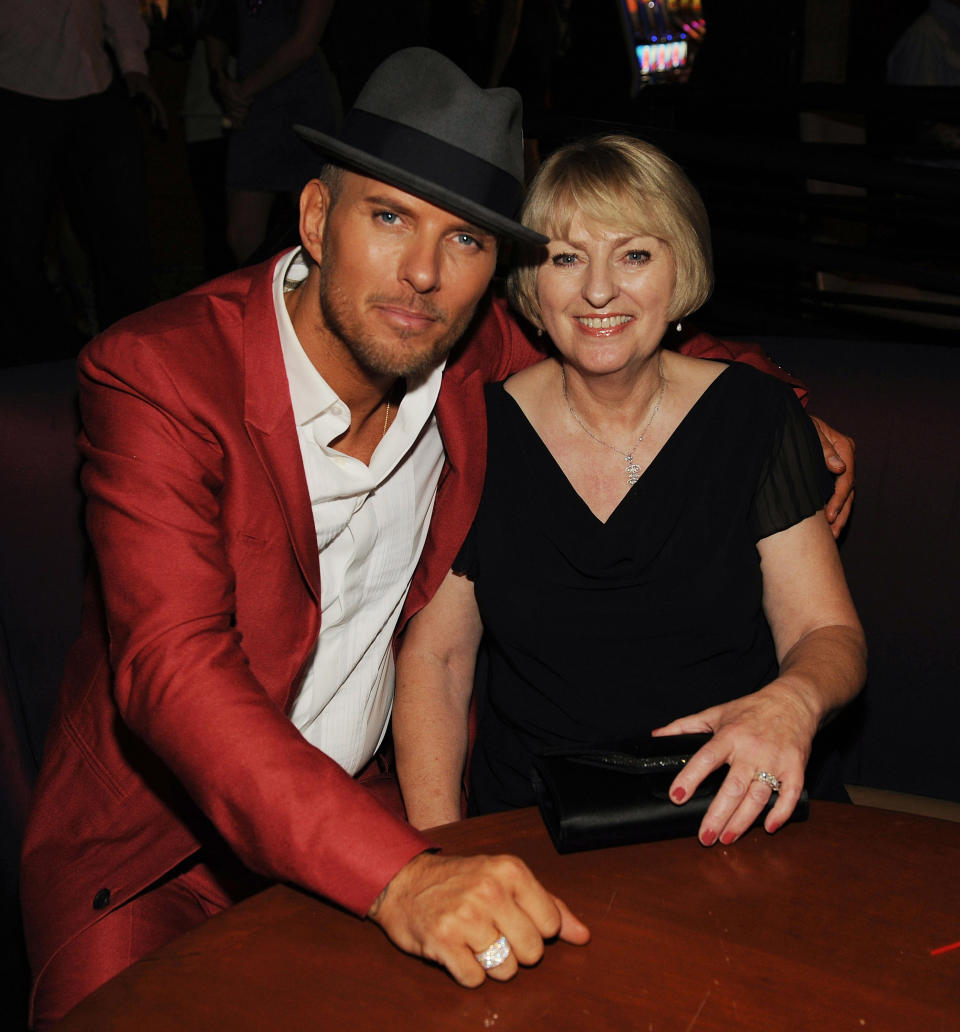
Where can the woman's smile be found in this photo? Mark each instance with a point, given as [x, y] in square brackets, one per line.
[603, 325]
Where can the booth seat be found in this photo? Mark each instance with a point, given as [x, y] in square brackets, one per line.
[901, 551]
[42, 559]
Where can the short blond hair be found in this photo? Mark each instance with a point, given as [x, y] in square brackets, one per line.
[628, 184]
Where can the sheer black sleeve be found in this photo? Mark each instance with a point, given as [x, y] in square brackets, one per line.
[795, 482]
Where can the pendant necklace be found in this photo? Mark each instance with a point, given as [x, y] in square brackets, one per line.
[632, 470]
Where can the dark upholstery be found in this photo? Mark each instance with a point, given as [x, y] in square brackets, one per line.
[901, 551]
[41, 571]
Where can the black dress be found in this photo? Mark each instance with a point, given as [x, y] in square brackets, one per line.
[599, 632]
[266, 154]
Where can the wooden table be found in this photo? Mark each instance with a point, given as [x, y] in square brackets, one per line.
[828, 925]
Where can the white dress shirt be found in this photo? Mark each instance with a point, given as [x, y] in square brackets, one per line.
[371, 523]
[54, 49]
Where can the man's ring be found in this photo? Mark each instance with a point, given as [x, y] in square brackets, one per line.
[495, 954]
[768, 779]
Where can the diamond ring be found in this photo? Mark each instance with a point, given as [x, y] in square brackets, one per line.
[768, 779]
[495, 954]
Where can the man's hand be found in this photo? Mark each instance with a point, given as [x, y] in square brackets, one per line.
[838, 453]
[139, 87]
[448, 909]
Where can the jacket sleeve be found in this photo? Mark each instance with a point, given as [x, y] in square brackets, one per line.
[703, 345]
[155, 474]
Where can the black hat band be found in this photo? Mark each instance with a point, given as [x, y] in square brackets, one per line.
[429, 158]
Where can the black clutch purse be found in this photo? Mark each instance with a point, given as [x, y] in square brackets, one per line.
[617, 796]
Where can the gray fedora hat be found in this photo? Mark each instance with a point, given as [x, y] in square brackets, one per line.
[422, 125]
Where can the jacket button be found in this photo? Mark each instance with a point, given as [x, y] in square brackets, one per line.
[102, 899]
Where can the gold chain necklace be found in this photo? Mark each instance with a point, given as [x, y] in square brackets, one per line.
[632, 470]
[386, 421]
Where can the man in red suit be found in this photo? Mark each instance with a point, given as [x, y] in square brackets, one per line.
[280, 467]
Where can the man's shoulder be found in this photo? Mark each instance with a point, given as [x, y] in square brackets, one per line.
[492, 326]
[495, 343]
[197, 356]
[197, 330]
[219, 302]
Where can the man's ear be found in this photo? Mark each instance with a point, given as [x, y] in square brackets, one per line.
[314, 209]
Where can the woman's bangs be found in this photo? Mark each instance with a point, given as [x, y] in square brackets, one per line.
[616, 207]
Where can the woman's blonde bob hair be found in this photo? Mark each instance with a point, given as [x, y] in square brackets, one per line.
[627, 184]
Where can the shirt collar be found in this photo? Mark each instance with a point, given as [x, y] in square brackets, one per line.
[310, 394]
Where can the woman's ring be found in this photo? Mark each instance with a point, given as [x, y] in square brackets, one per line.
[495, 954]
[768, 779]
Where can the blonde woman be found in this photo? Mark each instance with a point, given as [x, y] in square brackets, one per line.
[650, 554]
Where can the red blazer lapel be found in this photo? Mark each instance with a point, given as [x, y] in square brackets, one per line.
[493, 348]
[268, 416]
[462, 420]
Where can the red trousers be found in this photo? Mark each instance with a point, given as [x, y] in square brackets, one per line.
[174, 905]
[180, 901]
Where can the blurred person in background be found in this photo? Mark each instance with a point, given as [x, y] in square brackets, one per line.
[69, 126]
[928, 54]
[282, 78]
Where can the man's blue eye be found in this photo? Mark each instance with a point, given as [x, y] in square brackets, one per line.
[467, 240]
[389, 217]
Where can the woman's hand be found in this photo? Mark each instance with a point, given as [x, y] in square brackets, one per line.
[770, 730]
[235, 102]
[822, 655]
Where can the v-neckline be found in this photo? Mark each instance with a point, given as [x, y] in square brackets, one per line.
[654, 462]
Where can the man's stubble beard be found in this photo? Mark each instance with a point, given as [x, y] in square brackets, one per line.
[376, 355]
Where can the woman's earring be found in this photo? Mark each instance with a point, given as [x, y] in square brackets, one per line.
[679, 326]
[540, 332]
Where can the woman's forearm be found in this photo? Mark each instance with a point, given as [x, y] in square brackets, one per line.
[430, 738]
[822, 672]
[819, 641]
[435, 668]
[218, 58]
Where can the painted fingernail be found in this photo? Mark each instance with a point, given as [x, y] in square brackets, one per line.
[678, 795]
[708, 837]
[727, 838]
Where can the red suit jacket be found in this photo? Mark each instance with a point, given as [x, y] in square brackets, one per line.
[203, 609]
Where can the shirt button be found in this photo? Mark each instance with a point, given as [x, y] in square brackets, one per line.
[101, 900]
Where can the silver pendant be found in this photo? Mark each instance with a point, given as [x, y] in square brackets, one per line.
[632, 471]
